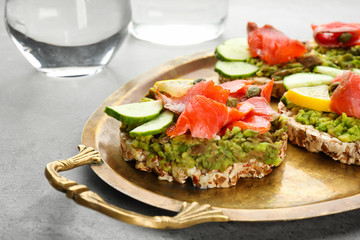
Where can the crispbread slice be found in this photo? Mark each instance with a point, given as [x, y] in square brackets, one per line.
[201, 179]
[315, 141]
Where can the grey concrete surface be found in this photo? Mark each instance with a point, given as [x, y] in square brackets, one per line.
[41, 120]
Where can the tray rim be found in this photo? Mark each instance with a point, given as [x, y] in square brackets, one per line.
[105, 172]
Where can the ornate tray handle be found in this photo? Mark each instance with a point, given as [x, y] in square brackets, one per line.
[191, 213]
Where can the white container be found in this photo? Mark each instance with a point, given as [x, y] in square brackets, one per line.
[66, 38]
[178, 22]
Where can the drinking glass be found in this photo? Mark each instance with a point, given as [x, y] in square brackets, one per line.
[178, 22]
[65, 38]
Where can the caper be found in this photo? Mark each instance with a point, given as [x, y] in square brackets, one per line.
[231, 102]
[199, 80]
[253, 92]
[345, 37]
[151, 93]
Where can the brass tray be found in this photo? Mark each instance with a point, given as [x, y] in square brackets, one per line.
[305, 185]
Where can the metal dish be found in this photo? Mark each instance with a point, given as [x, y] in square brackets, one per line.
[305, 185]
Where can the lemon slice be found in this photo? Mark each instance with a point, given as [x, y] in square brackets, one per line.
[174, 87]
[316, 98]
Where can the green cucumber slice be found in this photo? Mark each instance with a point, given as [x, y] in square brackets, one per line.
[235, 49]
[306, 80]
[356, 70]
[155, 126]
[135, 113]
[235, 70]
[328, 70]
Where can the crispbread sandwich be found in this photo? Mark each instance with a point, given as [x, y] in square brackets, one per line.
[266, 54]
[326, 118]
[210, 134]
[323, 114]
[337, 44]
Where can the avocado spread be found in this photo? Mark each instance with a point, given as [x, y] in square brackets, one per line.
[346, 129]
[345, 58]
[234, 146]
[304, 63]
[277, 71]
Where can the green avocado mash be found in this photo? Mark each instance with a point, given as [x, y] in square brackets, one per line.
[346, 129]
[277, 71]
[235, 146]
[345, 58]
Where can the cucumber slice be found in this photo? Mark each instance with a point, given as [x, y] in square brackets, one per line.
[135, 113]
[235, 70]
[155, 126]
[306, 80]
[235, 49]
[328, 70]
[333, 71]
[356, 70]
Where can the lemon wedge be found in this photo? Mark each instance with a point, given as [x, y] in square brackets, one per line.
[175, 87]
[316, 98]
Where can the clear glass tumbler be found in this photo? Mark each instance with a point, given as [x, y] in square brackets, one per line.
[178, 22]
[66, 38]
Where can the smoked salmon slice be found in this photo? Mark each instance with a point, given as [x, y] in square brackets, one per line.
[261, 108]
[258, 118]
[205, 117]
[271, 45]
[266, 90]
[203, 88]
[241, 110]
[236, 87]
[253, 122]
[203, 111]
[346, 97]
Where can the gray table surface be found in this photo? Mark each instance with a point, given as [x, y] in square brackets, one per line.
[42, 120]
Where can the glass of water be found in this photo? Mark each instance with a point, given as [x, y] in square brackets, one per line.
[66, 38]
[178, 22]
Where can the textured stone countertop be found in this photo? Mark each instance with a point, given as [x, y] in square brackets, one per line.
[42, 119]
